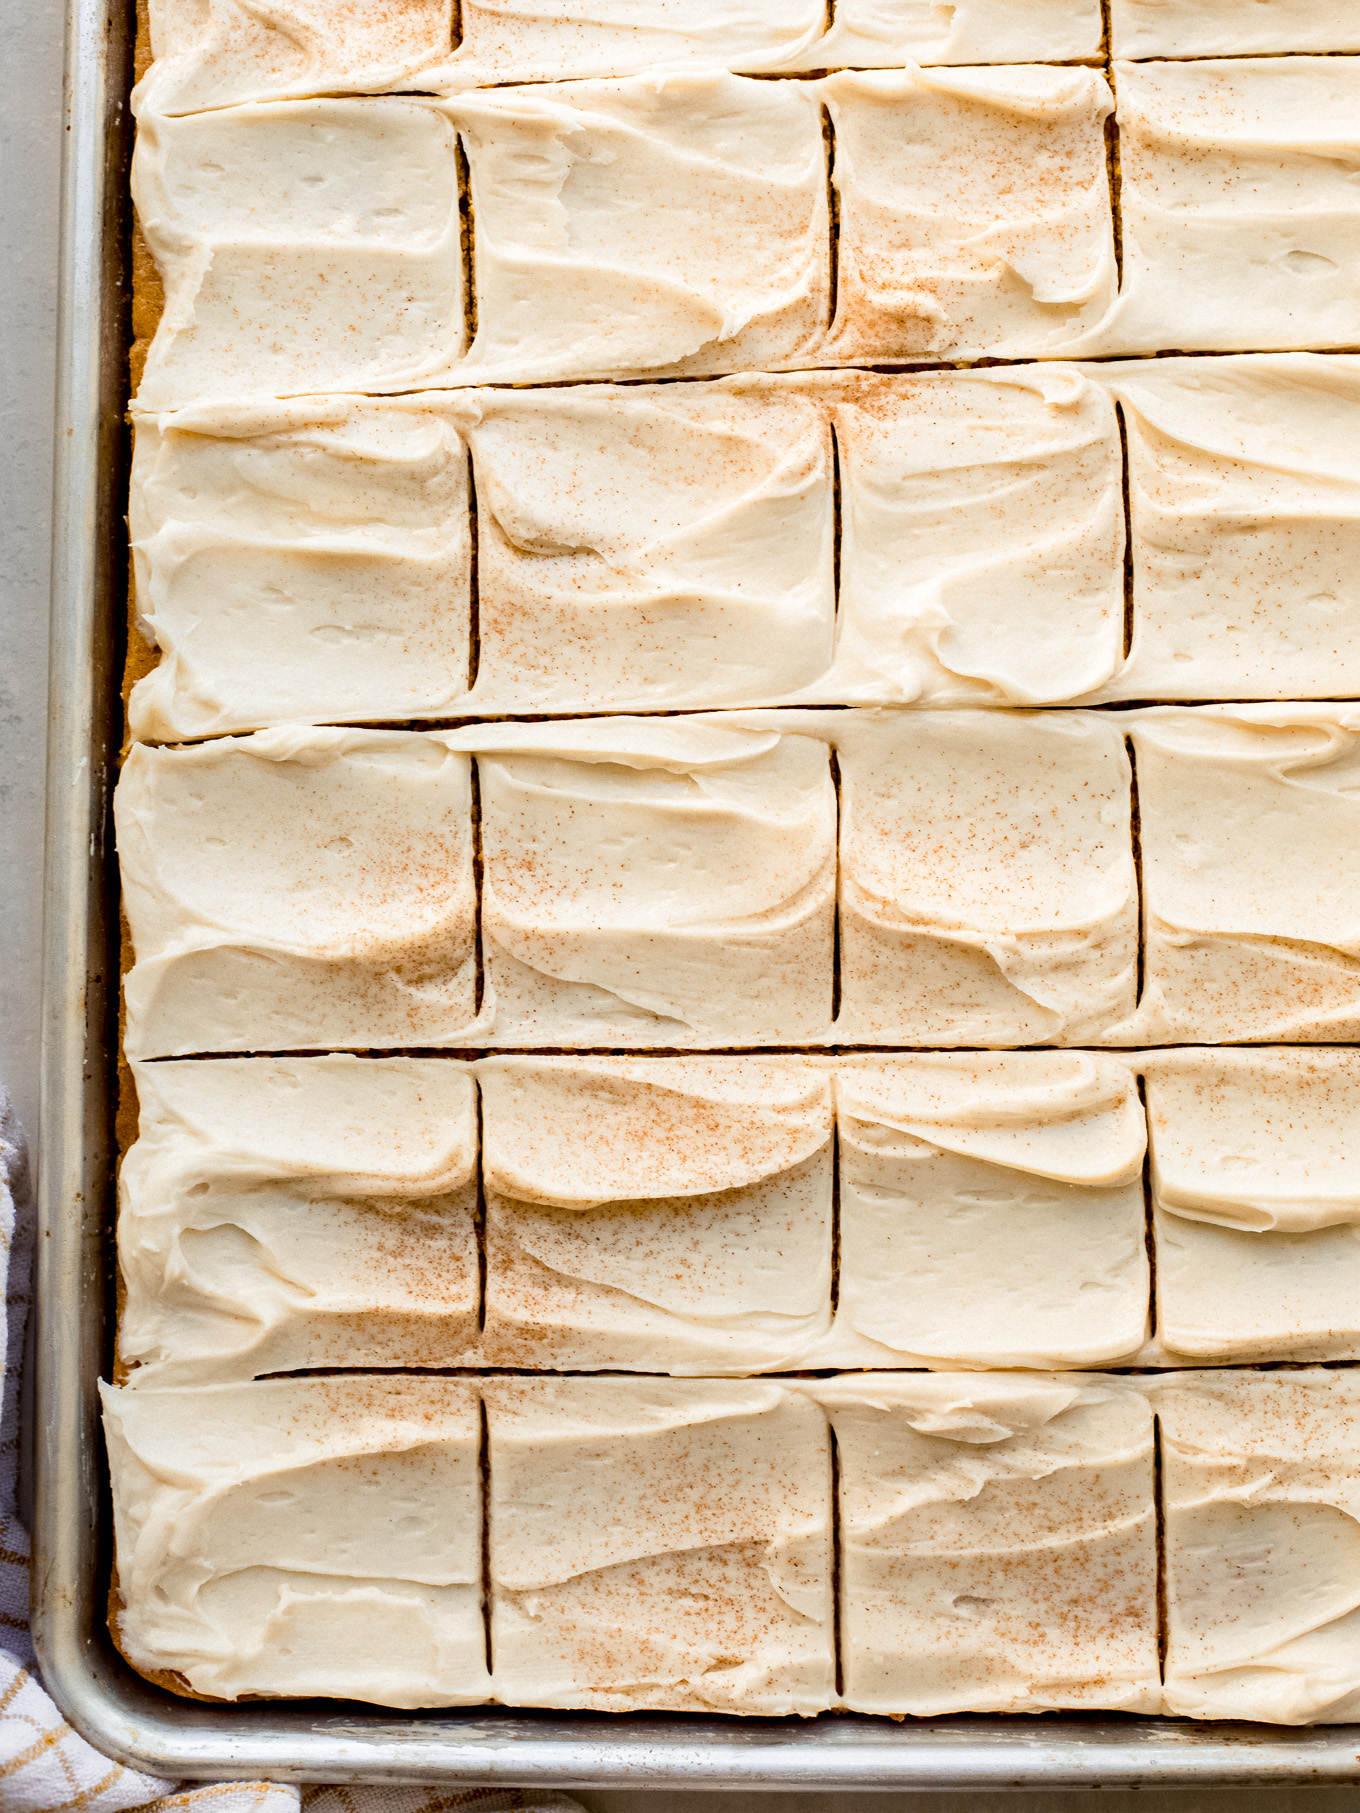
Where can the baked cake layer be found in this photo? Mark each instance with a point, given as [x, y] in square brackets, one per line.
[396, 464]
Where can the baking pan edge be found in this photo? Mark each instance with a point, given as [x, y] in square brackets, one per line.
[104, 1699]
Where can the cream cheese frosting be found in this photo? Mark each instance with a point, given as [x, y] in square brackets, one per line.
[991, 1211]
[524, 41]
[998, 1543]
[660, 1544]
[666, 1215]
[1244, 490]
[982, 538]
[1226, 28]
[974, 212]
[987, 886]
[337, 266]
[281, 1213]
[299, 562]
[647, 547]
[655, 882]
[1241, 220]
[302, 1537]
[1261, 1486]
[640, 547]
[1256, 1203]
[211, 53]
[297, 888]
[664, 224]
[883, 34]
[1250, 833]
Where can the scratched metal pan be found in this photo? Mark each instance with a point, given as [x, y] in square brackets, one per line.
[328, 1741]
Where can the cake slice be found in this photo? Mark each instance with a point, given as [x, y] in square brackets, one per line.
[987, 886]
[666, 883]
[300, 561]
[999, 1548]
[974, 213]
[1244, 491]
[286, 1213]
[337, 266]
[302, 1538]
[1226, 28]
[521, 41]
[1261, 1486]
[1241, 218]
[648, 547]
[298, 889]
[1256, 1203]
[885, 34]
[664, 1215]
[212, 53]
[1250, 829]
[982, 538]
[660, 1544]
[666, 225]
[991, 1211]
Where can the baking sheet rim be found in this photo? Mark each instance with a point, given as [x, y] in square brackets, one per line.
[101, 1696]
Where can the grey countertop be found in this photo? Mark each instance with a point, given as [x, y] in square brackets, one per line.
[30, 137]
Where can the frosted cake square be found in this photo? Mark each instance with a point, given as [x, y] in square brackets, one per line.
[211, 53]
[300, 561]
[516, 42]
[660, 1543]
[337, 267]
[297, 889]
[1240, 212]
[669, 1215]
[875, 34]
[999, 1549]
[521, 41]
[1256, 1203]
[974, 212]
[991, 1211]
[675, 225]
[281, 1213]
[647, 548]
[655, 882]
[1226, 28]
[982, 538]
[1251, 873]
[1261, 1494]
[301, 1537]
[987, 886]
[1244, 492]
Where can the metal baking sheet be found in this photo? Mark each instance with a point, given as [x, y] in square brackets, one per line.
[324, 1740]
